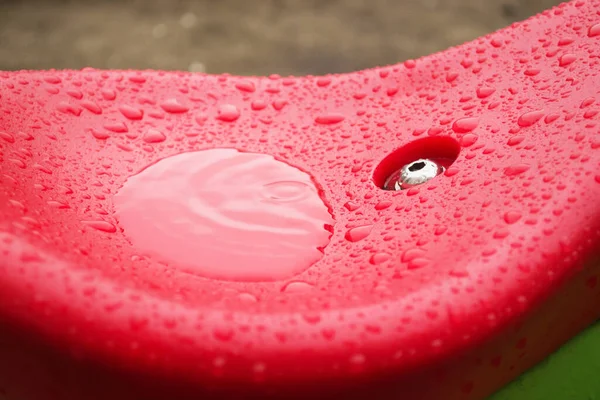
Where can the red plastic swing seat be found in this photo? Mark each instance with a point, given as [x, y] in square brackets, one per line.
[174, 235]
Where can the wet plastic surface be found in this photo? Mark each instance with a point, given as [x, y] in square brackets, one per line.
[446, 290]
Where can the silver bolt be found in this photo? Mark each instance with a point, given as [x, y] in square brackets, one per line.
[413, 174]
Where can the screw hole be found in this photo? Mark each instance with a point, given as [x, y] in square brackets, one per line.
[442, 150]
[416, 166]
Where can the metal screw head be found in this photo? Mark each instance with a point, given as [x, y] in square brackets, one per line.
[413, 174]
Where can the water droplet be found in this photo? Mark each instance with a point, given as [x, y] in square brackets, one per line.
[465, 125]
[218, 364]
[587, 102]
[248, 298]
[137, 79]
[594, 30]
[25, 135]
[100, 225]
[357, 362]
[382, 205]
[57, 204]
[532, 71]
[459, 273]
[511, 217]
[42, 168]
[551, 118]
[223, 334]
[418, 263]
[173, 106]
[228, 113]
[7, 137]
[515, 140]
[517, 169]
[131, 113]
[117, 127]
[468, 140]
[246, 86]
[485, 91]
[76, 94]
[113, 306]
[379, 258]
[91, 107]
[566, 59]
[28, 256]
[258, 105]
[501, 233]
[410, 64]
[565, 41]
[323, 81]
[451, 76]
[226, 214]
[312, 318]
[154, 136]
[109, 94]
[352, 205]
[329, 119]
[281, 336]
[358, 233]
[67, 108]
[297, 287]
[328, 333]
[54, 80]
[259, 369]
[440, 230]
[412, 254]
[279, 104]
[100, 135]
[530, 118]
[17, 204]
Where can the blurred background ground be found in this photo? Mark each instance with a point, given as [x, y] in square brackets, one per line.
[247, 37]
